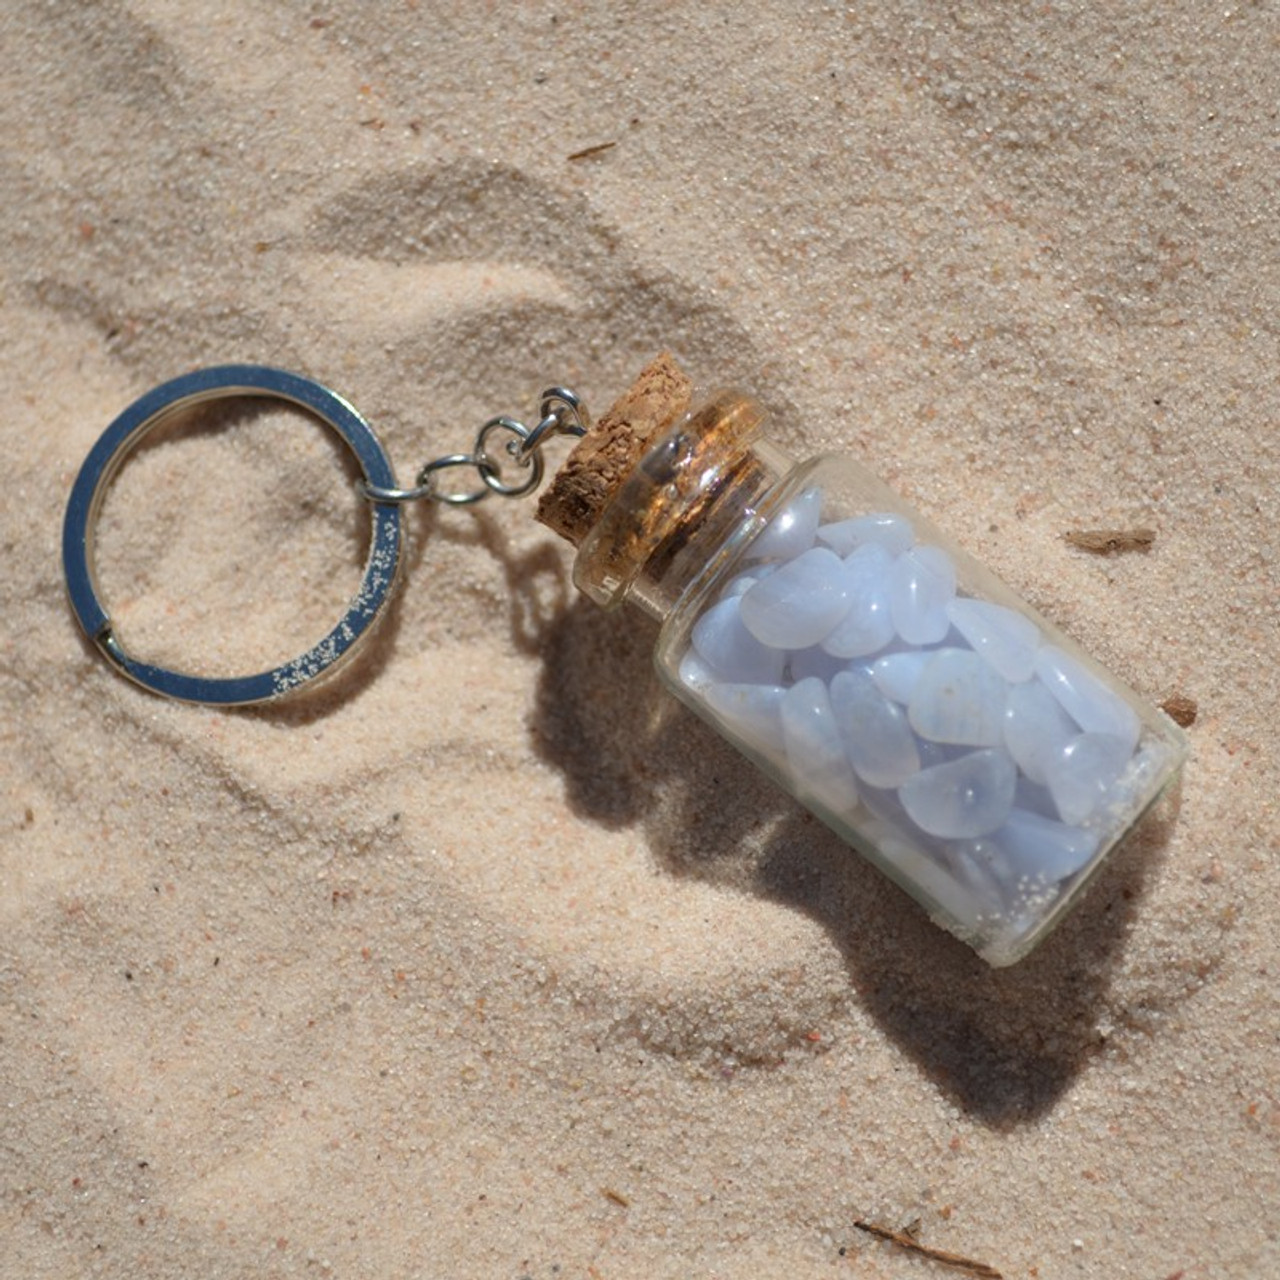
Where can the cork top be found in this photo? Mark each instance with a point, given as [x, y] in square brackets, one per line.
[609, 451]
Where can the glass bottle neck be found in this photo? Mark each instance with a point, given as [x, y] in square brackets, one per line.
[691, 501]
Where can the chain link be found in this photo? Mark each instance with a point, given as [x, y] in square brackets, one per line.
[561, 413]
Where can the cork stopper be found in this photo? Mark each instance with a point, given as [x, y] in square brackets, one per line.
[607, 454]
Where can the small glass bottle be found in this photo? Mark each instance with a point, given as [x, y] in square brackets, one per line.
[879, 673]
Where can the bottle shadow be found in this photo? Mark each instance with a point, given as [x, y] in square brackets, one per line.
[1003, 1043]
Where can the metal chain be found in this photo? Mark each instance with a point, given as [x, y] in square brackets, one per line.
[561, 413]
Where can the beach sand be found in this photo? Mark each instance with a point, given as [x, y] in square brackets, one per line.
[488, 960]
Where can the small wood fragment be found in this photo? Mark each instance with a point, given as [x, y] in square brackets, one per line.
[587, 152]
[616, 1197]
[1110, 542]
[1181, 709]
[944, 1256]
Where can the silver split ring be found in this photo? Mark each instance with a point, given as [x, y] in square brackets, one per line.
[160, 405]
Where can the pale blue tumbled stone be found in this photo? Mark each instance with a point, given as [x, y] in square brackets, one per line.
[815, 754]
[932, 753]
[792, 530]
[868, 626]
[897, 673]
[964, 798]
[959, 699]
[1034, 797]
[1041, 849]
[695, 671]
[753, 712]
[814, 661]
[877, 738]
[801, 603]
[1036, 728]
[886, 806]
[731, 650]
[981, 868]
[922, 583]
[1085, 698]
[739, 585]
[1003, 637]
[1085, 771]
[891, 532]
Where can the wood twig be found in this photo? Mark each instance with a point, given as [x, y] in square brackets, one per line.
[1110, 542]
[587, 152]
[944, 1256]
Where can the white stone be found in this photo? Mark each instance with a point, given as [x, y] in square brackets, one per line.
[1085, 698]
[801, 603]
[1040, 849]
[732, 652]
[1085, 771]
[815, 753]
[964, 798]
[877, 738]
[792, 530]
[1036, 728]
[921, 585]
[1006, 639]
[751, 711]
[959, 699]
[868, 626]
[891, 532]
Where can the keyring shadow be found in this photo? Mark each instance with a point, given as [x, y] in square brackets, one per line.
[1003, 1043]
[537, 592]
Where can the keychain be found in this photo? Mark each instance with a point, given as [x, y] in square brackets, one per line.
[847, 647]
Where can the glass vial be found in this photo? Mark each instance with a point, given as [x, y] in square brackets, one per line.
[880, 674]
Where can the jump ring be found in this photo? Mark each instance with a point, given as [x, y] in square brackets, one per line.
[557, 403]
[426, 479]
[562, 396]
[492, 477]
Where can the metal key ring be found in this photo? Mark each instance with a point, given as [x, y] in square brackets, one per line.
[125, 433]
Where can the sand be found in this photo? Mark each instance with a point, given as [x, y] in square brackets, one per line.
[488, 960]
